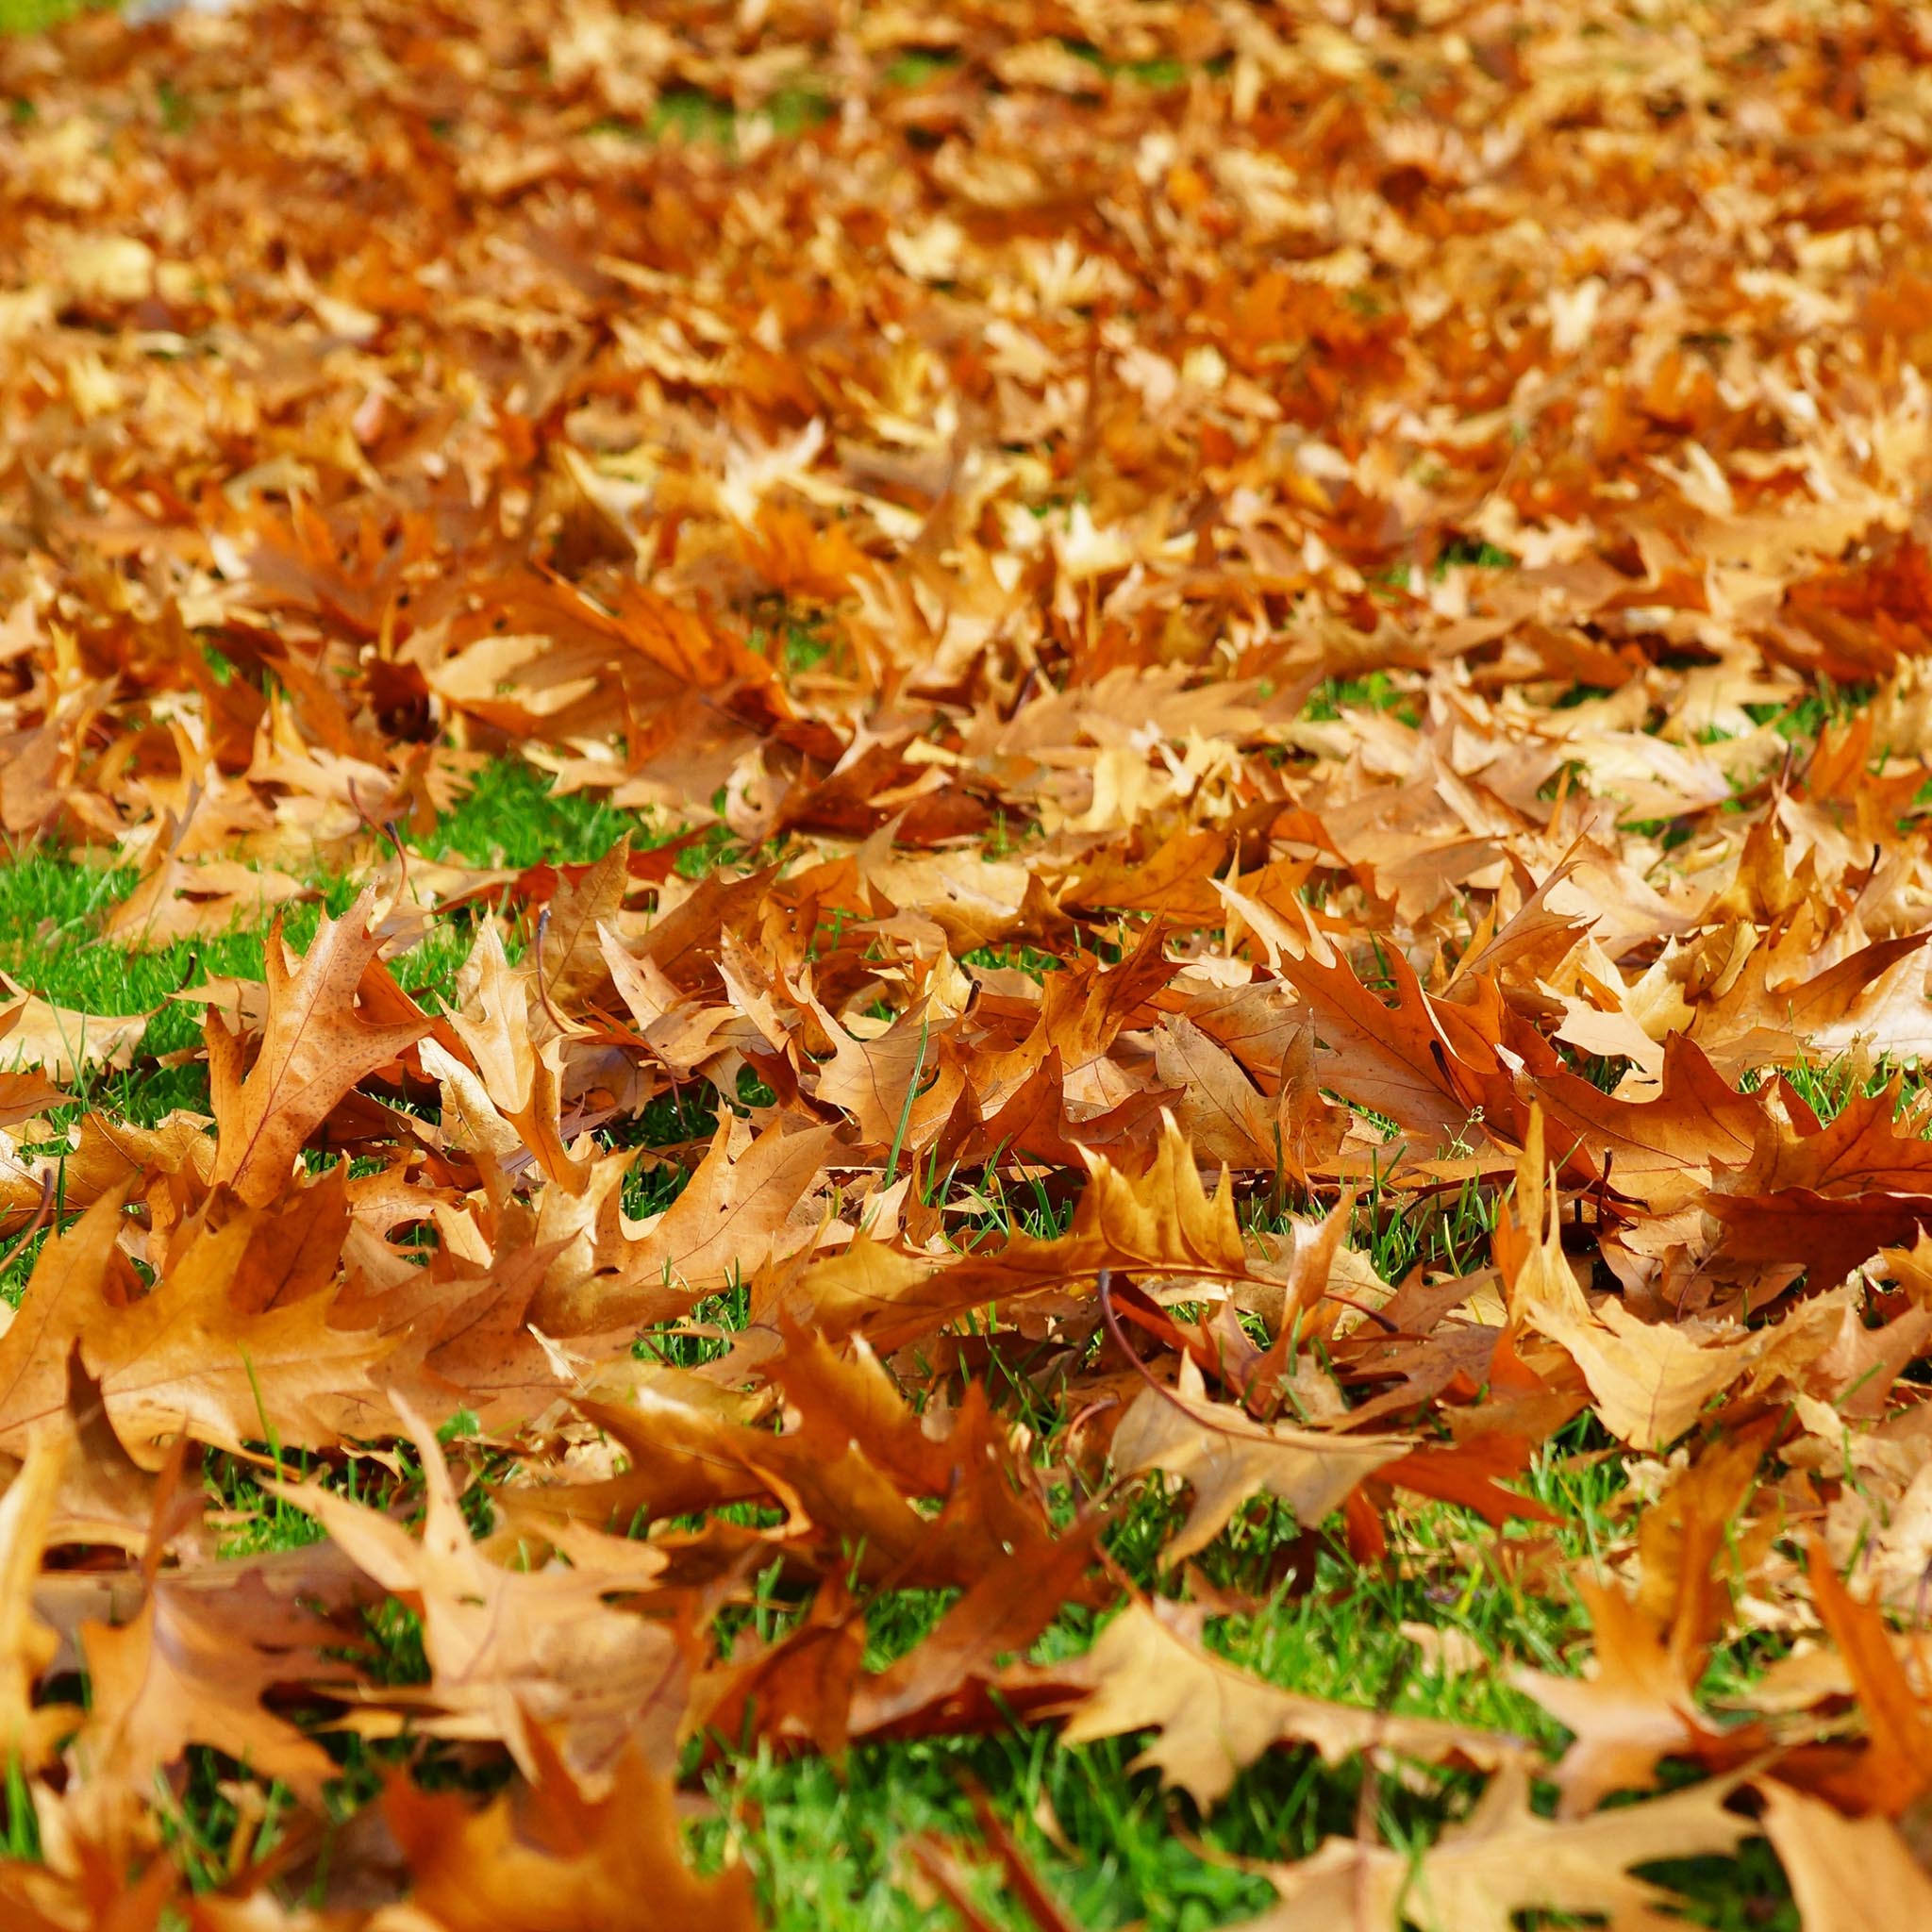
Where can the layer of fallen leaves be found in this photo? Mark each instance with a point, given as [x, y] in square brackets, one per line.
[1282, 605]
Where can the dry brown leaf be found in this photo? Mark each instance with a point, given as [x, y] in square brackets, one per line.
[1847, 1875]
[61, 1043]
[510, 1651]
[314, 1049]
[26, 1645]
[1225, 1457]
[1506, 1861]
[560, 1862]
[1150, 1671]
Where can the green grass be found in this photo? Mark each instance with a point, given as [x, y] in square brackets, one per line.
[691, 115]
[51, 910]
[512, 817]
[825, 1844]
[1376, 692]
[36, 16]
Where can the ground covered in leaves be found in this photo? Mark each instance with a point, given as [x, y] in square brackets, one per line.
[964, 966]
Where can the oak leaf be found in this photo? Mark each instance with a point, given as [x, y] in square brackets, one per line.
[1225, 1457]
[1650, 1380]
[573, 964]
[1505, 1861]
[27, 1646]
[195, 1665]
[1847, 1875]
[191, 1356]
[557, 1861]
[315, 1047]
[1150, 1671]
[63, 1043]
[736, 1213]
[1159, 1221]
[510, 1651]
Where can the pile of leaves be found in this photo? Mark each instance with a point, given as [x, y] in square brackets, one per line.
[1255, 677]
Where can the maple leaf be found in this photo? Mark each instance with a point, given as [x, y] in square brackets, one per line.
[315, 1047]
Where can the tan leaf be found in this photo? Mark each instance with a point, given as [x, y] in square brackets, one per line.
[572, 966]
[1225, 1457]
[733, 1215]
[1150, 1671]
[26, 1644]
[557, 1862]
[1160, 1222]
[60, 1043]
[1847, 1875]
[192, 1356]
[507, 1650]
[1506, 1861]
[193, 1667]
[315, 1047]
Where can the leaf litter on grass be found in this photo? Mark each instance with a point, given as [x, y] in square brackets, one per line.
[1034, 900]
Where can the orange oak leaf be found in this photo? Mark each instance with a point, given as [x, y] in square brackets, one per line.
[315, 1047]
[557, 1861]
[1225, 1457]
[509, 1652]
[1847, 1875]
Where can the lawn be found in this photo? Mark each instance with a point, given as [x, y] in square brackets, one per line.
[963, 970]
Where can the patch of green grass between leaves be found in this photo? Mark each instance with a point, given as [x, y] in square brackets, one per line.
[824, 1842]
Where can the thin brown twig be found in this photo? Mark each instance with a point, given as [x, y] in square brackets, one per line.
[1110, 1316]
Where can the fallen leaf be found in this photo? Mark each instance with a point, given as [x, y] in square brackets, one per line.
[316, 1046]
[1150, 1671]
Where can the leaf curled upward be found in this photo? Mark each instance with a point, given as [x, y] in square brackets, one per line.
[315, 1047]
